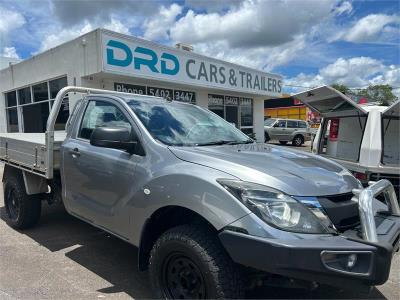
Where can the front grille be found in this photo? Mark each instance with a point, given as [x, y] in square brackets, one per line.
[340, 198]
[341, 210]
[393, 178]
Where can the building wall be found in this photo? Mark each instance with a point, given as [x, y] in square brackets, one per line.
[76, 58]
[293, 112]
[80, 60]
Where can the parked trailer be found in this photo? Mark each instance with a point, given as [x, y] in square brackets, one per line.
[201, 200]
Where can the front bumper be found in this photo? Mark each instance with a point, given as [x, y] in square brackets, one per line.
[310, 258]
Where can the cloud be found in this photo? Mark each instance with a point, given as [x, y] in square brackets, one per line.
[10, 20]
[9, 52]
[157, 26]
[354, 72]
[212, 5]
[369, 28]
[73, 12]
[64, 35]
[343, 8]
[254, 23]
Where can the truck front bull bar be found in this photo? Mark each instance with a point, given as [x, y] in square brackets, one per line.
[365, 196]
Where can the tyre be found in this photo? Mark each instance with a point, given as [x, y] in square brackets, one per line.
[298, 140]
[189, 262]
[266, 137]
[22, 210]
[283, 142]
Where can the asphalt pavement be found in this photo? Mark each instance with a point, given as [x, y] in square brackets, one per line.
[65, 258]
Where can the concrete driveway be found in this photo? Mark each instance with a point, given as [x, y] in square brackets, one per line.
[64, 258]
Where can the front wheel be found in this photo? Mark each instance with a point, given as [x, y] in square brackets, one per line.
[266, 137]
[188, 262]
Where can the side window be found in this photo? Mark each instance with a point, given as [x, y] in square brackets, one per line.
[101, 114]
[281, 124]
[292, 124]
[302, 125]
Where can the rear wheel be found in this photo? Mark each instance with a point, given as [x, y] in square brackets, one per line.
[283, 142]
[298, 140]
[188, 262]
[22, 210]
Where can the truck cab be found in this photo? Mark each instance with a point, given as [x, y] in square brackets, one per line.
[363, 138]
[210, 210]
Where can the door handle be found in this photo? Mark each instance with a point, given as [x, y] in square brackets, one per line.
[74, 152]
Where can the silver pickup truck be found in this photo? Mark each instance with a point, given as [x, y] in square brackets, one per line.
[210, 210]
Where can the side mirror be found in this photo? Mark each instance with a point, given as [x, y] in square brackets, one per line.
[113, 137]
[276, 125]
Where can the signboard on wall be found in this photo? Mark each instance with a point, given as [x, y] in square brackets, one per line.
[231, 100]
[178, 95]
[140, 58]
[215, 100]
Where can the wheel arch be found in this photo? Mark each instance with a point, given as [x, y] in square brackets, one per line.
[10, 171]
[162, 220]
[34, 184]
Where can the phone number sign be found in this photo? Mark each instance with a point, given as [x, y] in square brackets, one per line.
[177, 95]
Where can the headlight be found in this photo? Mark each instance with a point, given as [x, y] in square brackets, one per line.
[275, 208]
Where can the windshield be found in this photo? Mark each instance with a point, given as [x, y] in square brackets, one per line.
[269, 122]
[178, 124]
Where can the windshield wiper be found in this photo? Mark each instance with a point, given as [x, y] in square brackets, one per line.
[222, 142]
[242, 142]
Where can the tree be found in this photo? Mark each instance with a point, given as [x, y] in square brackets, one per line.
[381, 93]
[341, 88]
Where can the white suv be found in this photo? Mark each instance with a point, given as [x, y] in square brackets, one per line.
[287, 130]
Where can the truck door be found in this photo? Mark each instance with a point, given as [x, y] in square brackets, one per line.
[99, 181]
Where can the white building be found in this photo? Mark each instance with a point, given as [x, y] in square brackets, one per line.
[108, 60]
[7, 61]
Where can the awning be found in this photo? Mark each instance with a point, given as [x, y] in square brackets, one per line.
[330, 102]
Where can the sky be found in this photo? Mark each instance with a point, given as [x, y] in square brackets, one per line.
[309, 42]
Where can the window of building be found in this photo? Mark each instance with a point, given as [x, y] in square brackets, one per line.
[40, 92]
[246, 112]
[34, 115]
[12, 119]
[63, 114]
[216, 104]
[24, 95]
[238, 111]
[11, 99]
[56, 85]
